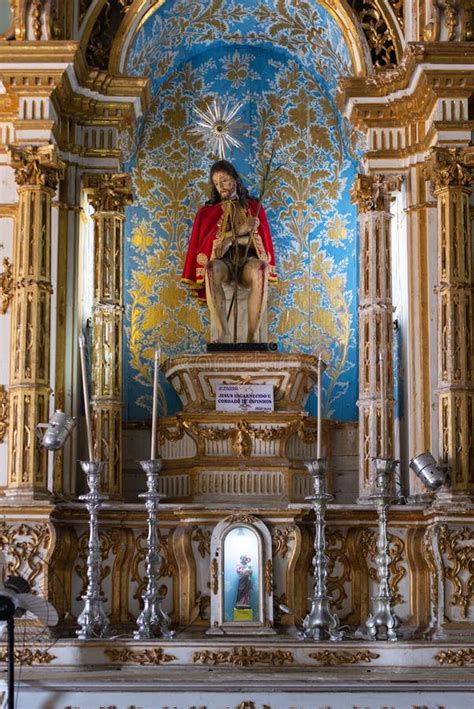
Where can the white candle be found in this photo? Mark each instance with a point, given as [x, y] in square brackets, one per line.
[383, 398]
[319, 410]
[155, 404]
[82, 355]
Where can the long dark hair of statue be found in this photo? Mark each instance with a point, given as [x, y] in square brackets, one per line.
[225, 166]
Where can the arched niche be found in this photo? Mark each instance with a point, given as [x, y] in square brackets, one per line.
[141, 11]
[241, 577]
[288, 101]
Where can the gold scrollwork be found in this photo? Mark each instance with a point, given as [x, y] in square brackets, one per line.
[124, 655]
[203, 538]
[26, 547]
[458, 546]
[6, 285]
[459, 658]
[242, 433]
[26, 656]
[4, 405]
[336, 552]
[335, 658]
[268, 577]
[281, 539]
[214, 576]
[380, 36]
[241, 656]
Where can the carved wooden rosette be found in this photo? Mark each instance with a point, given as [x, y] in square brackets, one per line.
[371, 193]
[108, 195]
[37, 171]
[450, 177]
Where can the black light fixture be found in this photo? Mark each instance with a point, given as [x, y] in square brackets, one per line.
[428, 471]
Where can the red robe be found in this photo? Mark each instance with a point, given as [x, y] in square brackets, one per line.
[205, 235]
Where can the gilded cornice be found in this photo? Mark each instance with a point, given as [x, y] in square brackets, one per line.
[426, 72]
[58, 69]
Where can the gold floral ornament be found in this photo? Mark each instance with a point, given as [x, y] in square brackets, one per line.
[219, 126]
[6, 285]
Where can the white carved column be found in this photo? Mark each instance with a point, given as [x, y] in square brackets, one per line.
[37, 171]
[450, 177]
[108, 195]
[371, 193]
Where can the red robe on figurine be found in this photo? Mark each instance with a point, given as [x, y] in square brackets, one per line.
[206, 234]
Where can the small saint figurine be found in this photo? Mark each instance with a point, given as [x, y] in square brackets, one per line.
[230, 243]
[244, 571]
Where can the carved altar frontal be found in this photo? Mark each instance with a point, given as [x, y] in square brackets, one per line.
[221, 456]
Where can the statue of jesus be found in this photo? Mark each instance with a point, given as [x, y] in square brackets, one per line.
[230, 243]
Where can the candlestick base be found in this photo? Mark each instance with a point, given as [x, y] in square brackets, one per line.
[383, 617]
[321, 623]
[153, 619]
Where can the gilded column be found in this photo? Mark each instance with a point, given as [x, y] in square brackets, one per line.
[371, 192]
[450, 178]
[37, 171]
[109, 194]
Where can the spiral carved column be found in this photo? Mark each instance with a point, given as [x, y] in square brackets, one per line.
[371, 193]
[448, 170]
[108, 195]
[37, 171]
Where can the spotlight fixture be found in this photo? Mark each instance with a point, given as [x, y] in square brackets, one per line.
[57, 430]
[428, 471]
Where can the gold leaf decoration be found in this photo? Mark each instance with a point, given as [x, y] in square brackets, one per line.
[26, 656]
[127, 656]
[281, 539]
[203, 537]
[460, 658]
[457, 544]
[335, 658]
[244, 656]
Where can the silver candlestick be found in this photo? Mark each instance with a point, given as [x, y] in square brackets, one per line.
[152, 615]
[383, 615]
[93, 620]
[320, 621]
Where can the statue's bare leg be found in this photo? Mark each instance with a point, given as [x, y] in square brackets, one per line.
[255, 277]
[216, 274]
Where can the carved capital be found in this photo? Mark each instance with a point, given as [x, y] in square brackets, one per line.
[36, 165]
[4, 403]
[372, 192]
[449, 167]
[6, 285]
[109, 193]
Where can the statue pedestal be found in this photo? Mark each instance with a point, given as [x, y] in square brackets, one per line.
[242, 458]
[195, 377]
